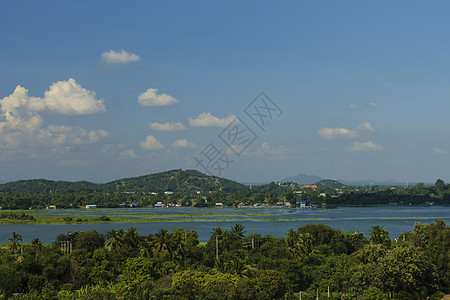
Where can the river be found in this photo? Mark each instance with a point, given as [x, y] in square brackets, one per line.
[264, 220]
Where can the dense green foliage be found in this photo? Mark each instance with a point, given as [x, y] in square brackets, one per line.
[313, 259]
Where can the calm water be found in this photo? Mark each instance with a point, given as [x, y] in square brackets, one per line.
[273, 221]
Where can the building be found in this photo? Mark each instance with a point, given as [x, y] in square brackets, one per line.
[304, 203]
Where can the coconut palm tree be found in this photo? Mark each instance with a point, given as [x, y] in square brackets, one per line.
[114, 240]
[238, 231]
[14, 242]
[379, 235]
[132, 237]
[37, 244]
[298, 244]
[163, 241]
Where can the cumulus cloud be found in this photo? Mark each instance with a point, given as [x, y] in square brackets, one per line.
[152, 98]
[438, 151]
[128, 153]
[366, 146]
[331, 133]
[66, 135]
[122, 57]
[273, 150]
[170, 126]
[151, 143]
[374, 105]
[68, 98]
[183, 143]
[63, 97]
[366, 126]
[21, 123]
[208, 120]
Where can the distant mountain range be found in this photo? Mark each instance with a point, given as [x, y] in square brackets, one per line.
[311, 179]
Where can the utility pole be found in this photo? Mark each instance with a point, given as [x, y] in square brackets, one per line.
[328, 291]
[217, 247]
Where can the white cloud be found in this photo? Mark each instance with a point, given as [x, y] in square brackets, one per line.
[21, 123]
[63, 97]
[266, 151]
[69, 98]
[366, 126]
[439, 151]
[331, 133]
[151, 143]
[75, 162]
[128, 153]
[273, 150]
[170, 126]
[151, 98]
[206, 119]
[366, 146]
[183, 143]
[353, 106]
[67, 135]
[122, 57]
[374, 105]
[233, 149]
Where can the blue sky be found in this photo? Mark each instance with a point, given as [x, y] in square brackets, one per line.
[99, 91]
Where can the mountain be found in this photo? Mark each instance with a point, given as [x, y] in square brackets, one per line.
[303, 179]
[174, 180]
[329, 184]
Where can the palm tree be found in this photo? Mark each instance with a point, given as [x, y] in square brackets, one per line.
[379, 235]
[238, 231]
[37, 244]
[145, 248]
[132, 237]
[114, 240]
[162, 241]
[298, 244]
[14, 242]
[238, 267]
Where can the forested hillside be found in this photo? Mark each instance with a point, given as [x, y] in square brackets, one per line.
[174, 180]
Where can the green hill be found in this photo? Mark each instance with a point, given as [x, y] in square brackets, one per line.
[41, 186]
[329, 184]
[174, 180]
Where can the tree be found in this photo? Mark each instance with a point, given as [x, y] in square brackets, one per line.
[132, 237]
[400, 269]
[238, 231]
[163, 242]
[188, 283]
[37, 244]
[270, 284]
[14, 242]
[89, 240]
[379, 235]
[439, 185]
[113, 240]
[138, 270]
[299, 244]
